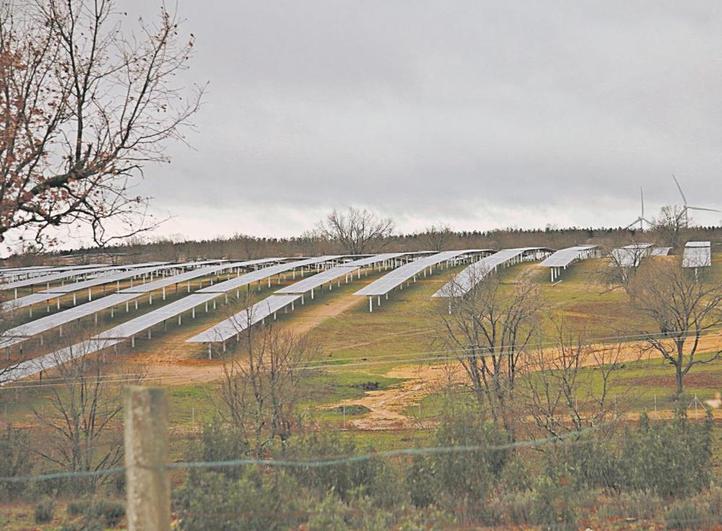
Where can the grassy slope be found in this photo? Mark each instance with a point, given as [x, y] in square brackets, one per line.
[364, 346]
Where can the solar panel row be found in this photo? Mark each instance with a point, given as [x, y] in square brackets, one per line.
[697, 254]
[408, 271]
[464, 281]
[265, 273]
[49, 361]
[23, 332]
[100, 280]
[244, 319]
[565, 257]
[62, 275]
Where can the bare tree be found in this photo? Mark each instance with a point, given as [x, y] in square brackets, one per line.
[489, 329]
[261, 387]
[670, 224]
[683, 308]
[356, 231]
[557, 397]
[624, 262]
[436, 238]
[82, 414]
[85, 105]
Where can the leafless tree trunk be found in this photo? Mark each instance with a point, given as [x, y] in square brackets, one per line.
[670, 224]
[82, 414]
[489, 330]
[85, 104]
[356, 231]
[683, 308]
[557, 398]
[261, 386]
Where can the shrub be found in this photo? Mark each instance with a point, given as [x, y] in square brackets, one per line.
[669, 458]
[420, 481]
[637, 505]
[107, 512]
[461, 479]
[220, 442]
[15, 459]
[512, 507]
[683, 515]
[330, 513]
[44, 511]
[256, 500]
[341, 478]
[554, 502]
[515, 477]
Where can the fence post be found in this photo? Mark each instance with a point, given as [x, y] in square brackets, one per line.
[146, 448]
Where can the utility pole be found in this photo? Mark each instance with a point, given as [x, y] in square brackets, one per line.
[146, 450]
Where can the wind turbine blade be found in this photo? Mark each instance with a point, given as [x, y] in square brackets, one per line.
[705, 209]
[641, 196]
[632, 224]
[684, 199]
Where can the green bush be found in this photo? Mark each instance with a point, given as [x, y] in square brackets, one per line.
[258, 499]
[44, 511]
[15, 460]
[462, 479]
[636, 505]
[220, 442]
[109, 513]
[684, 515]
[420, 481]
[671, 459]
[515, 477]
[342, 478]
[330, 513]
[554, 502]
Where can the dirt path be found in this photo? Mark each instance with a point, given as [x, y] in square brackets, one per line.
[316, 314]
[387, 406]
[170, 361]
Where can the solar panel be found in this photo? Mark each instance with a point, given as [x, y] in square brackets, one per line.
[107, 278]
[401, 274]
[261, 274]
[244, 319]
[564, 257]
[660, 251]
[42, 270]
[342, 270]
[372, 260]
[475, 273]
[631, 255]
[47, 279]
[49, 361]
[187, 276]
[135, 326]
[27, 330]
[697, 254]
[319, 279]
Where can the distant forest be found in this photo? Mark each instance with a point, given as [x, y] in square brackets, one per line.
[242, 246]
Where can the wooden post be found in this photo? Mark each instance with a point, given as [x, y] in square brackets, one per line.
[146, 449]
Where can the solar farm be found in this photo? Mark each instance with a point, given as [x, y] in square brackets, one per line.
[382, 371]
[103, 301]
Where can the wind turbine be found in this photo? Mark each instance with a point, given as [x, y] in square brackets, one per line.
[641, 219]
[686, 208]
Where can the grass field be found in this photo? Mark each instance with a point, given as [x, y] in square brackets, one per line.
[359, 348]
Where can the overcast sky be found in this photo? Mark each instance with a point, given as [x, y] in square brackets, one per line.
[474, 114]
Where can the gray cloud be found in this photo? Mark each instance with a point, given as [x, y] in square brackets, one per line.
[478, 114]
